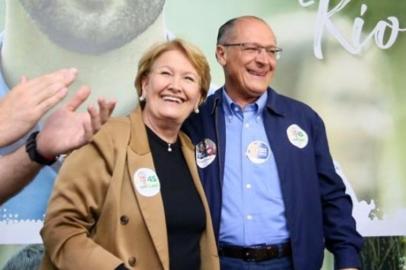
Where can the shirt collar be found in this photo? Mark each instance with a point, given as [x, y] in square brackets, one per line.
[258, 106]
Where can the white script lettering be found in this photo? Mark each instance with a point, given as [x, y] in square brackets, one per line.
[359, 40]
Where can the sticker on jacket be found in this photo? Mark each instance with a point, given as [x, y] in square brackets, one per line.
[205, 153]
[297, 136]
[146, 182]
[258, 152]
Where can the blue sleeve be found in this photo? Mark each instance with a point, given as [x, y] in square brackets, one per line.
[341, 237]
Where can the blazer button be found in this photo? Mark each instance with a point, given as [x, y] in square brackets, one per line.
[124, 220]
[132, 261]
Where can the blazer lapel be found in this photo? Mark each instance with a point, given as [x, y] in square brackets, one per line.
[139, 159]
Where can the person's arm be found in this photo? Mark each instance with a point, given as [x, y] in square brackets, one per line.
[341, 236]
[64, 131]
[16, 171]
[28, 101]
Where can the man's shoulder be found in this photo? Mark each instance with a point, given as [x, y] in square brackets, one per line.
[287, 105]
[211, 100]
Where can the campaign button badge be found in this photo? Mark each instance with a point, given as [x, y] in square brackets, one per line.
[297, 136]
[258, 152]
[206, 152]
[146, 182]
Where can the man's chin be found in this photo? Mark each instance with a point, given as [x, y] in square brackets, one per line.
[258, 90]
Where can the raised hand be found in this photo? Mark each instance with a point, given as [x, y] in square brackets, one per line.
[66, 129]
[28, 101]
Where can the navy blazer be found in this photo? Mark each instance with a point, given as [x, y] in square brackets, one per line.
[318, 211]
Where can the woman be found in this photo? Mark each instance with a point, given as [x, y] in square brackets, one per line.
[132, 198]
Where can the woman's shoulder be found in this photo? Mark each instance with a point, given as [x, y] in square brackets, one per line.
[116, 129]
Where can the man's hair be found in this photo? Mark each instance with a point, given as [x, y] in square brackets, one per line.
[191, 52]
[227, 28]
[29, 258]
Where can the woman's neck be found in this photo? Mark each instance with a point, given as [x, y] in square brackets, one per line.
[167, 130]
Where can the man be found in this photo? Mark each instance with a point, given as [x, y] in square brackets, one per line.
[63, 131]
[275, 198]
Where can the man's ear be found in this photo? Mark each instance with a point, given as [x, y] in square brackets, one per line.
[221, 55]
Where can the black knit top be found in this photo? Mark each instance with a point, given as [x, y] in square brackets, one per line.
[184, 212]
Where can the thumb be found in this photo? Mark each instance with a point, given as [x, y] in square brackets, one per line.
[80, 96]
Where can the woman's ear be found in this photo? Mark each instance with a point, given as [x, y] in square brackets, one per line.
[144, 86]
[144, 83]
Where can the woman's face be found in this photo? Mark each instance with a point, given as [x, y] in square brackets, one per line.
[171, 89]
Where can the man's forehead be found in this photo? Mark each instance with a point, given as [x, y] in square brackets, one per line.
[254, 30]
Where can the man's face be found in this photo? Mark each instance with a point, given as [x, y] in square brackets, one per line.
[93, 26]
[248, 73]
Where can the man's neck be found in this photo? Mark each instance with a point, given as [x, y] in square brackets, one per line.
[27, 51]
[239, 98]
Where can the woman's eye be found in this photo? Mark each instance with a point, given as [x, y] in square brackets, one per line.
[165, 73]
[189, 78]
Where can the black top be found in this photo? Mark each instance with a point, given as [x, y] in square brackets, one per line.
[184, 212]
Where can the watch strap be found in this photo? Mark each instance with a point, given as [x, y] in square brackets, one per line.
[32, 151]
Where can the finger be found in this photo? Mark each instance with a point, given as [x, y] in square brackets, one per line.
[70, 75]
[88, 131]
[49, 92]
[65, 76]
[80, 96]
[41, 85]
[50, 102]
[45, 87]
[94, 118]
[103, 110]
[111, 105]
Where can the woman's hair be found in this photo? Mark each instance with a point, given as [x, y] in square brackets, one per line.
[192, 53]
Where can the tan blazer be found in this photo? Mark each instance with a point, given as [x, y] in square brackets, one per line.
[97, 220]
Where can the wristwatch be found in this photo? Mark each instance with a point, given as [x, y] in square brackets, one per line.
[32, 151]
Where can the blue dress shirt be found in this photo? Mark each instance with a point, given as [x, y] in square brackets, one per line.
[253, 211]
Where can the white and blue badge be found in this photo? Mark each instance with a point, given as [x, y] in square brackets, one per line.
[258, 152]
[206, 152]
[297, 136]
[146, 182]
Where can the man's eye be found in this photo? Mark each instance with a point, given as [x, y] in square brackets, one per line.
[251, 49]
[271, 50]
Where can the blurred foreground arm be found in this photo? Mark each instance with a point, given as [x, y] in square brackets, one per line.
[27, 102]
[64, 131]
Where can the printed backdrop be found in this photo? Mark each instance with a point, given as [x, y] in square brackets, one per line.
[344, 58]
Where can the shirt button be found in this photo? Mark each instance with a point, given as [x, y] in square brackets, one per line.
[132, 261]
[248, 186]
[124, 220]
[247, 125]
[249, 217]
